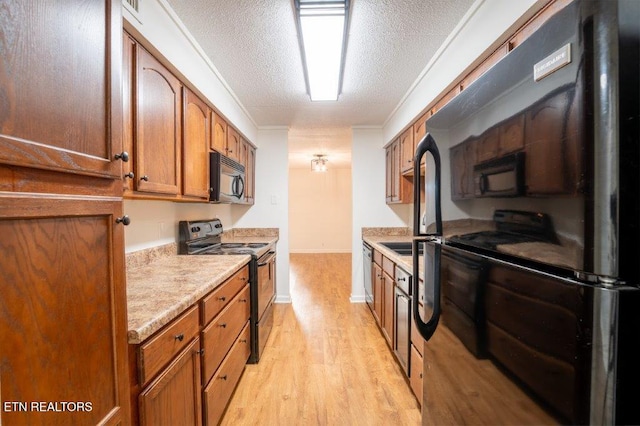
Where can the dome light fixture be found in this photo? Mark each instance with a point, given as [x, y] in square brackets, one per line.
[319, 164]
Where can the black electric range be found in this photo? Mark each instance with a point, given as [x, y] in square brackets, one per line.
[204, 237]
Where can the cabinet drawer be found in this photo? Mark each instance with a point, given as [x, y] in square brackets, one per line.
[377, 257]
[220, 297]
[389, 267]
[218, 336]
[218, 392]
[158, 350]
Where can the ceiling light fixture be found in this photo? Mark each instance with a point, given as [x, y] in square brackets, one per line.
[322, 34]
[319, 164]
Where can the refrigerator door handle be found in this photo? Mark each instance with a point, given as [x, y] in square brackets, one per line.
[432, 275]
[427, 144]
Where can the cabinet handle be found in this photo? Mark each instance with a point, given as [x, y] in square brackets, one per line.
[402, 279]
[129, 175]
[222, 298]
[223, 325]
[223, 377]
[125, 220]
[242, 300]
[124, 156]
[180, 337]
[243, 340]
[200, 352]
[145, 178]
[243, 278]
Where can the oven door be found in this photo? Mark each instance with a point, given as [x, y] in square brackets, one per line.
[266, 282]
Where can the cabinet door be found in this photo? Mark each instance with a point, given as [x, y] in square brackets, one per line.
[512, 135]
[488, 145]
[419, 130]
[234, 144]
[388, 174]
[377, 293]
[388, 302]
[128, 90]
[159, 110]
[250, 175]
[218, 133]
[63, 309]
[406, 150]
[395, 171]
[195, 165]
[60, 106]
[174, 398]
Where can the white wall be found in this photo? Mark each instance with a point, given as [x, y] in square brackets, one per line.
[369, 206]
[320, 210]
[155, 223]
[271, 208]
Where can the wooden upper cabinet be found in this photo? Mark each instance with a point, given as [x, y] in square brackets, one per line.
[488, 144]
[406, 150]
[62, 115]
[218, 133]
[511, 135]
[195, 159]
[159, 114]
[234, 144]
[251, 174]
[128, 90]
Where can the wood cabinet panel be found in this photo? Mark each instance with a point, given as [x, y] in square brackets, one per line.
[219, 390]
[63, 308]
[234, 144]
[415, 373]
[218, 133]
[378, 294]
[174, 398]
[128, 108]
[388, 307]
[407, 149]
[220, 334]
[60, 86]
[158, 117]
[195, 148]
[462, 158]
[156, 352]
[512, 135]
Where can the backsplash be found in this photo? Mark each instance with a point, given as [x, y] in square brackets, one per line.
[386, 232]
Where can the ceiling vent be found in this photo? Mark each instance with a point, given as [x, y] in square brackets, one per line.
[132, 6]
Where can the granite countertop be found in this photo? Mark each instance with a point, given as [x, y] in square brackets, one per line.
[162, 284]
[161, 290]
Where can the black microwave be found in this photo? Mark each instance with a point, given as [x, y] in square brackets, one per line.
[502, 177]
[227, 179]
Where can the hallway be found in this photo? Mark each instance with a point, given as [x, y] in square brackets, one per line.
[325, 363]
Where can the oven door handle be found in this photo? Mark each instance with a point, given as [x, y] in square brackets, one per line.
[269, 257]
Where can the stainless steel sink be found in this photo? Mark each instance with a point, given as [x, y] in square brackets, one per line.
[401, 247]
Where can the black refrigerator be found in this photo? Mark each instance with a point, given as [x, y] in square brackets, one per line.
[529, 182]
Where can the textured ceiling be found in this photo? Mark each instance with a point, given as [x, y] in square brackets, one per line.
[254, 45]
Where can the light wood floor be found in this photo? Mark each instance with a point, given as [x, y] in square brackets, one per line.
[325, 362]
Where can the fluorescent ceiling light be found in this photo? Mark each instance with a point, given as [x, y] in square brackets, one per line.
[323, 28]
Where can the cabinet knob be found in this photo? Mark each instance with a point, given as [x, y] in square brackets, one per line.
[222, 298]
[243, 340]
[223, 377]
[223, 325]
[242, 300]
[124, 156]
[180, 337]
[145, 178]
[125, 220]
[130, 175]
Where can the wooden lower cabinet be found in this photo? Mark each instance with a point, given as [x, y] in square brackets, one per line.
[377, 293]
[62, 310]
[205, 348]
[415, 373]
[218, 391]
[173, 398]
